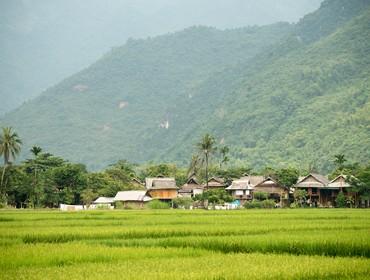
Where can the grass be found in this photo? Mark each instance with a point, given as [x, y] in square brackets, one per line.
[169, 244]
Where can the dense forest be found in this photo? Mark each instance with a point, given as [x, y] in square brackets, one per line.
[279, 95]
[45, 180]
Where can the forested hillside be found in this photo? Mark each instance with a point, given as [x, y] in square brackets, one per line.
[277, 95]
[59, 38]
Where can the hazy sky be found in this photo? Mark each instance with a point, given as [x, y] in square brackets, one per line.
[44, 41]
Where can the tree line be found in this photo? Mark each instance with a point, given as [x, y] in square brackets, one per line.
[46, 180]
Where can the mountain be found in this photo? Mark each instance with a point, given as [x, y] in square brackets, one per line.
[43, 41]
[282, 94]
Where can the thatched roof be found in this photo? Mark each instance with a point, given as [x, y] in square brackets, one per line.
[104, 200]
[132, 196]
[160, 183]
[240, 184]
[137, 181]
[190, 185]
[246, 183]
[255, 180]
[269, 181]
[312, 180]
[216, 182]
[339, 182]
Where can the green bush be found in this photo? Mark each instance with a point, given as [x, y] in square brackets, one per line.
[254, 204]
[268, 203]
[260, 196]
[341, 200]
[294, 205]
[157, 204]
[103, 207]
[182, 202]
[119, 205]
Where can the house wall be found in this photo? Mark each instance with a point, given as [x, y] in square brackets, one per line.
[197, 191]
[163, 194]
[270, 188]
[133, 204]
[186, 194]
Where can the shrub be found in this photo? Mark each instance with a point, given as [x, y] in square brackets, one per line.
[157, 204]
[119, 205]
[300, 197]
[218, 196]
[341, 200]
[260, 196]
[182, 202]
[254, 204]
[294, 205]
[268, 203]
[103, 206]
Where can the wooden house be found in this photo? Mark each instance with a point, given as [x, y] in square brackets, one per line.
[274, 189]
[103, 202]
[191, 188]
[319, 192]
[136, 199]
[340, 182]
[241, 189]
[216, 183]
[161, 188]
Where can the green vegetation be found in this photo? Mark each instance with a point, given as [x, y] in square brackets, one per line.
[157, 204]
[341, 200]
[277, 95]
[181, 244]
[47, 181]
[45, 42]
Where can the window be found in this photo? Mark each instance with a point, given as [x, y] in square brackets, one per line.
[239, 192]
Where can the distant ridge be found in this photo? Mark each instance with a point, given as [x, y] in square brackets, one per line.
[277, 95]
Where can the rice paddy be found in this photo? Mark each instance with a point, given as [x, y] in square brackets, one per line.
[175, 244]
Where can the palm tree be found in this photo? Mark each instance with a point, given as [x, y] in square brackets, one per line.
[10, 147]
[207, 147]
[224, 158]
[36, 150]
[340, 159]
[194, 165]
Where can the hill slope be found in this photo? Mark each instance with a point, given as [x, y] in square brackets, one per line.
[279, 94]
[59, 38]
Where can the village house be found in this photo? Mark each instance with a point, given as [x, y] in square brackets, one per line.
[241, 189]
[191, 188]
[274, 189]
[103, 202]
[320, 191]
[340, 183]
[161, 188]
[135, 199]
[216, 183]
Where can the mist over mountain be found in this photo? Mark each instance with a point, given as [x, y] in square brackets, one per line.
[43, 42]
[281, 94]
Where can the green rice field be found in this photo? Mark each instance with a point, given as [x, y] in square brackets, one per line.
[176, 244]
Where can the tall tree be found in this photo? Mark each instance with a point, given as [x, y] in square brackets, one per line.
[224, 158]
[36, 150]
[194, 166]
[206, 148]
[10, 147]
[288, 177]
[360, 183]
[339, 161]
